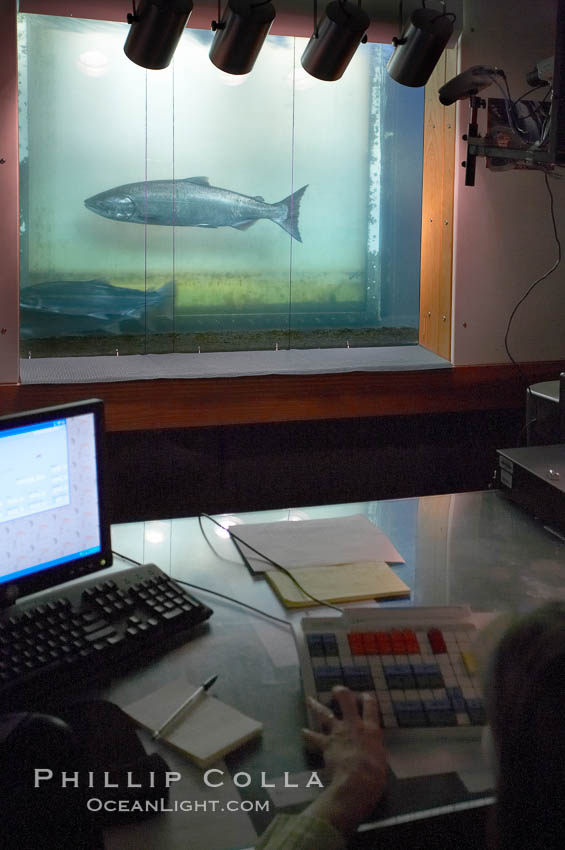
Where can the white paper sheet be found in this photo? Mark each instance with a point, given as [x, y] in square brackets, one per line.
[315, 542]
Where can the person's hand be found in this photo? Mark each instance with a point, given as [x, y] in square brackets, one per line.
[353, 751]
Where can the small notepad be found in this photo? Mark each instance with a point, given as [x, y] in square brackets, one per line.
[341, 583]
[209, 730]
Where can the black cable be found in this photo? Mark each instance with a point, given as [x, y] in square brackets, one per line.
[526, 93]
[206, 538]
[525, 428]
[274, 564]
[508, 102]
[236, 601]
[533, 286]
[513, 115]
[213, 592]
[127, 558]
[533, 106]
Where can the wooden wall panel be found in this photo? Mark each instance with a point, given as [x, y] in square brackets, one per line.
[156, 405]
[437, 213]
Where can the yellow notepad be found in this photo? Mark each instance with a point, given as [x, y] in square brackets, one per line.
[209, 730]
[339, 583]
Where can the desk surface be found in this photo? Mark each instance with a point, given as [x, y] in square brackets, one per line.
[475, 549]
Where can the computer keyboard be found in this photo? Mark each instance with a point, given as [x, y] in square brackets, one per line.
[418, 662]
[90, 631]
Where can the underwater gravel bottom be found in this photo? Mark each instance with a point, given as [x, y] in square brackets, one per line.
[212, 341]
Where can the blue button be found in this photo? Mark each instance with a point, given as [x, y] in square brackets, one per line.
[315, 645]
[327, 677]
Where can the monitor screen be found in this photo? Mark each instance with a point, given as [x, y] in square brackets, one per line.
[53, 526]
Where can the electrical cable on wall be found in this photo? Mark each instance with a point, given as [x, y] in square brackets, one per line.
[531, 289]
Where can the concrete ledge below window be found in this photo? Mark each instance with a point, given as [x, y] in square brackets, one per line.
[139, 367]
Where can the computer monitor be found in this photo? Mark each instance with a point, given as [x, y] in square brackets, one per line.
[53, 526]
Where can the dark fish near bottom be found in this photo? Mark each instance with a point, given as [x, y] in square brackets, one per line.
[64, 307]
[193, 202]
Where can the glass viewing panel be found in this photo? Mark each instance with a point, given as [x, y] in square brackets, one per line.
[187, 209]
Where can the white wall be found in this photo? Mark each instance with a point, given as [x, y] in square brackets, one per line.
[503, 239]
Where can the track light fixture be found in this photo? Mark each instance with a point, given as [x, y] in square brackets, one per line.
[240, 34]
[156, 28]
[419, 47]
[335, 40]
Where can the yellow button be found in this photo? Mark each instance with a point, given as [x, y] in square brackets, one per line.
[470, 662]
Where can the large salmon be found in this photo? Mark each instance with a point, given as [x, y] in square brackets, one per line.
[193, 203]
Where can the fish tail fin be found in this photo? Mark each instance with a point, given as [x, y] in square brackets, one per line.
[292, 207]
[168, 290]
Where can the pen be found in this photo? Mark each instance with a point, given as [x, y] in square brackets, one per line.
[186, 704]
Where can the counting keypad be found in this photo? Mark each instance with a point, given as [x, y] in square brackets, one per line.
[423, 675]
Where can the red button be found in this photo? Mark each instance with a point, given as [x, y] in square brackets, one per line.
[437, 642]
[356, 644]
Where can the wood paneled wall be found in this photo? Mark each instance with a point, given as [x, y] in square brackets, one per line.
[162, 404]
[437, 213]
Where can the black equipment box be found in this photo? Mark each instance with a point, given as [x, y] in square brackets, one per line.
[534, 477]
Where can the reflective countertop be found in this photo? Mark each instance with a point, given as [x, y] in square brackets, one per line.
[475, 548]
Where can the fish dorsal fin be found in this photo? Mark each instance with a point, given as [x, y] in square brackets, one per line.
[259, 198]
[202, 181]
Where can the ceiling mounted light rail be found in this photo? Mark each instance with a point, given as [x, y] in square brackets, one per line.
[420, 45]
[240, 35]
[156, 28]
[335, 40]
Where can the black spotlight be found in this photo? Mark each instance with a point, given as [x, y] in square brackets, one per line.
[333, 43]
[420, 46]
[240, 35]
[156, 28]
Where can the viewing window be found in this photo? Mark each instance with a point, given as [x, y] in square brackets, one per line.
[189, 210]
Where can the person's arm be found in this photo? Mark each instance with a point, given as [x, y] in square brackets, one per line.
[354, 754]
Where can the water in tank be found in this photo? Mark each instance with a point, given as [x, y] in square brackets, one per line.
[188, 209]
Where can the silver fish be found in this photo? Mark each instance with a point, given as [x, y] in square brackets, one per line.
[95, 298]
[60, 307]
[193, 202]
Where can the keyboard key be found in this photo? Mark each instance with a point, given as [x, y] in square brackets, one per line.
[358, 678]
[330, 644]
[327, 677]
[356, 643]
[437, 642]
[101, 633]
[410, 714]
[476, 712]
[399, 676]
[470, 662]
